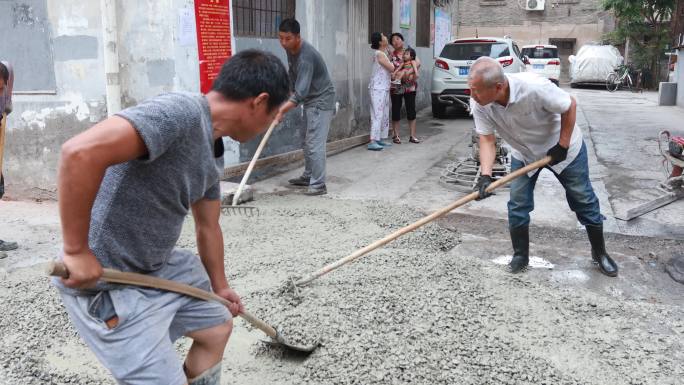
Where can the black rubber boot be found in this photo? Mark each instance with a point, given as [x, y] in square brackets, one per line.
[520, 237]
[598, 251]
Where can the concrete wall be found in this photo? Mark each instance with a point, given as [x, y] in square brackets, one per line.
[41, 122]
[583, 20]
[152, 60]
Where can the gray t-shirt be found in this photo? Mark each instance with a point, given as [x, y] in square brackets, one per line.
[141, 205]
[312, 85]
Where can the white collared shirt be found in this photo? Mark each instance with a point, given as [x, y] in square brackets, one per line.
[531, 121]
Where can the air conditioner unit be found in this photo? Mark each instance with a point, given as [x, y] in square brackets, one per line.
[534, 5]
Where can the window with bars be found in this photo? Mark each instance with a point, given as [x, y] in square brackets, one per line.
[261, 18]
[423, 24]
[379, 17]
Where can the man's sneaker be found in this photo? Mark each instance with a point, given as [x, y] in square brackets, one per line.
[374, 146]
[316, 191]
[299, 181]
[7, 246]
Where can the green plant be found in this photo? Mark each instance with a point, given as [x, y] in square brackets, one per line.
[646, 25]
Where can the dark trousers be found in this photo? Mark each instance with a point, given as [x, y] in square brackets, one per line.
[410, 98]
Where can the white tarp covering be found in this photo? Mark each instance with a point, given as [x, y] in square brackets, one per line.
[593, 63]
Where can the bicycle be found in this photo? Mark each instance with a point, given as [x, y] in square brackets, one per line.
[620, 77]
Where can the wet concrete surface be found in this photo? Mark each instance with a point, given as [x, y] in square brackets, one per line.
[624, 128]
[431, 307]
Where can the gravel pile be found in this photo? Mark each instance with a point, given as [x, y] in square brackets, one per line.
[411, 312]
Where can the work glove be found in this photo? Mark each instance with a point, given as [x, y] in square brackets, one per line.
[482, 183]
[558, 154]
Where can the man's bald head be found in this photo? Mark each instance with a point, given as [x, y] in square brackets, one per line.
[488, 70]
[487, 82]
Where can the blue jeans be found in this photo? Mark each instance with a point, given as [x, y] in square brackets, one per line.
[578, 192]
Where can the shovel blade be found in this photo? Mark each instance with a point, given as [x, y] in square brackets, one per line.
[298, 350]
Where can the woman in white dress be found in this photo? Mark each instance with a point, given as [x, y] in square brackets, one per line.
[379, 92]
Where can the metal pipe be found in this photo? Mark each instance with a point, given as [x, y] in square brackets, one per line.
[453, 100]
[110, 43]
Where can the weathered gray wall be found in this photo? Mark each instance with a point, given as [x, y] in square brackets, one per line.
[584, 20]
[41, 122]
[30, 21]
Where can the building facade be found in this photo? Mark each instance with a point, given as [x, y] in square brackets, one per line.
[78, 61]
[568, 24]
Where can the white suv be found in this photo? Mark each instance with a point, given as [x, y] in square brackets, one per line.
[543, 60]
[450, 75]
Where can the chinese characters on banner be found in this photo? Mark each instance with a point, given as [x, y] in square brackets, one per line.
[213, 38]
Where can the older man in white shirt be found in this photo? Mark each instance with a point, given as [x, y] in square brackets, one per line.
[536, 118]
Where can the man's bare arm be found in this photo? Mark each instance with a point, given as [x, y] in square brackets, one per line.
[206, 213]
[83, 162]
[568, 120]
[210, 240]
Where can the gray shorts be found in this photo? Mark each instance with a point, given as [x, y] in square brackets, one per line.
[140, 350]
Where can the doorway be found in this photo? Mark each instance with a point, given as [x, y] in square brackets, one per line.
[566, 47]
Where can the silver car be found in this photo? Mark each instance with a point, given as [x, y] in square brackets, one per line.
[450, 75]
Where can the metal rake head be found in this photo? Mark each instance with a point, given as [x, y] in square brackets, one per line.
[242, 211]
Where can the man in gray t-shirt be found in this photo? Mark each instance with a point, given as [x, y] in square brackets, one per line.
[6, 82]
[125, 188]
[313, 88]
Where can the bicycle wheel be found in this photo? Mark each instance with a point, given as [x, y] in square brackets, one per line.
[612, 82]
[628, 82]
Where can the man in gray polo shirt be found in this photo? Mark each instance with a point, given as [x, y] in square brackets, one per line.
[314, 89]
[126, 186]
[536, 118]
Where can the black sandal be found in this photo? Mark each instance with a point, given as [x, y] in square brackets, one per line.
[413, 139]
[396, 139]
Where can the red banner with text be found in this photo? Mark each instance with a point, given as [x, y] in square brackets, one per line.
[213, 38]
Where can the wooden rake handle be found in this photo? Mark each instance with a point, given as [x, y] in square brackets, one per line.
[250, 167]
[58, 269]
[470, 197]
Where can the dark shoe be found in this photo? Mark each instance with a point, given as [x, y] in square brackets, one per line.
[8, 246]
[413, 139]
[396, 139]
[598, 251]
[316, 191]
[520, 238]
[299, 181]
